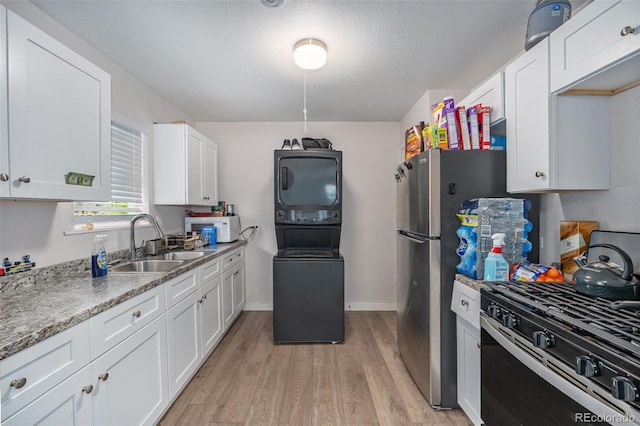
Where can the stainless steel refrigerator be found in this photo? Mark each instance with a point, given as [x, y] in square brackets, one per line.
[431, 187]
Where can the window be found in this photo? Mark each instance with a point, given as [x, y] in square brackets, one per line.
[127, 182]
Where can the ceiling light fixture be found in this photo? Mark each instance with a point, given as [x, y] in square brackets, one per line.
[272, 3]
[310, 54]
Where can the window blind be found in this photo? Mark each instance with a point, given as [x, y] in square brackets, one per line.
[127, 194]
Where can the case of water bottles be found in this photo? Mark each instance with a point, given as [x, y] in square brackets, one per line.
[482, 217]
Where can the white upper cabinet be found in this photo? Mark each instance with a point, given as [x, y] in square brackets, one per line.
[489, 93]
[4, 116]
[59, 115]
[185, 165]
[599, 48]
[549, 145]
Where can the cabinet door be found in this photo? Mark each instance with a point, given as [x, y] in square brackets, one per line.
[228, 307]
[69, 403]
[209, 172]
[33, 371]
[4, 128]
[527, 106]
[194, 167]
[211, 313]
[490, 93]
[183, 335]
[59, 118]
[469, 370]
[135, 392]
[593, 40]
[238, 289]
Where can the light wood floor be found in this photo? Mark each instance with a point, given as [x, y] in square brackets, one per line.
[248, 380]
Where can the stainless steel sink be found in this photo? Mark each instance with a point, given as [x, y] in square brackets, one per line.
[141, 266]
[181, 255]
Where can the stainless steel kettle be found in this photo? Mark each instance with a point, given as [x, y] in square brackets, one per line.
[607, 279]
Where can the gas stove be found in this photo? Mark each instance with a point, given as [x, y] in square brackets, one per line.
[582, 339]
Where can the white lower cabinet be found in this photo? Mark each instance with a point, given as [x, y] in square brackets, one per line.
[130, 380]
[69, 403]
[195, 325]
[239, 299]
[127, 364]
[211, 313]
[29, 374]
[228, 307]
[465, 302]
[183, 332]
[468, 339]
[233, 286]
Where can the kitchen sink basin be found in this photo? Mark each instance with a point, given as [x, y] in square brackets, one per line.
[141, 266]
[181, 255]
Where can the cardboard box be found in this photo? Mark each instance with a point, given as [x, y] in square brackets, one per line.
[463, 127]
[484, 124]
[574, 240]
[449, 115]
[413, 142]
[474, 128]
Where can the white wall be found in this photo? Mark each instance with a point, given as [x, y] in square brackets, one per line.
[616, 209]
[368, 227]
[36, 228]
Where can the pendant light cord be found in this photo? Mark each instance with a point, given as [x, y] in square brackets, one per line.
[304, 108]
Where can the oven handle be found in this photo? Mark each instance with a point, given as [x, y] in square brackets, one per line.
[552, 378]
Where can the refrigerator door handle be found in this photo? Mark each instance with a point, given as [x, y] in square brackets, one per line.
[416, 238]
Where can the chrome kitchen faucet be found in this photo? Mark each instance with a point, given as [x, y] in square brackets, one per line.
[154, 222]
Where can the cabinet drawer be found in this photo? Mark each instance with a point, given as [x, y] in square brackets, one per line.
[231, 259]
[465, 302]
[116, 324]
[211, 269]
[42, 366]
[180, 287]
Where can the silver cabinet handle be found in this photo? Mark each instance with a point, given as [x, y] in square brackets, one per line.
[103, 377]
[200, 300]
[24, 179]
[18, 383]
[539, 174]
[136, 314]
[627, 30]
[4, 177]
[464, 302]
[478, 345]
[204, 297]
[87, 389]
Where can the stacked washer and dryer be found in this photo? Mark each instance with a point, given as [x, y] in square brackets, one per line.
[308, 269]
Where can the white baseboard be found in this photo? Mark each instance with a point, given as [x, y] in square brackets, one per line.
[258, 307]
[348, 307]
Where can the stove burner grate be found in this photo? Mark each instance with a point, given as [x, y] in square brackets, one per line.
[587, 316]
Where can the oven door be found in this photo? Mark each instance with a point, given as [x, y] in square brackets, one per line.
[517, 388]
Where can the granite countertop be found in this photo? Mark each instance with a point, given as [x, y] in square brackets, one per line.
[469, 282]
[47, 303]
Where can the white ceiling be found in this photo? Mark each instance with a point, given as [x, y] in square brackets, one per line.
[232, 60]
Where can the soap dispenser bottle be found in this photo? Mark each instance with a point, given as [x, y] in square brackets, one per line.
[496, 267]
[99, 257]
